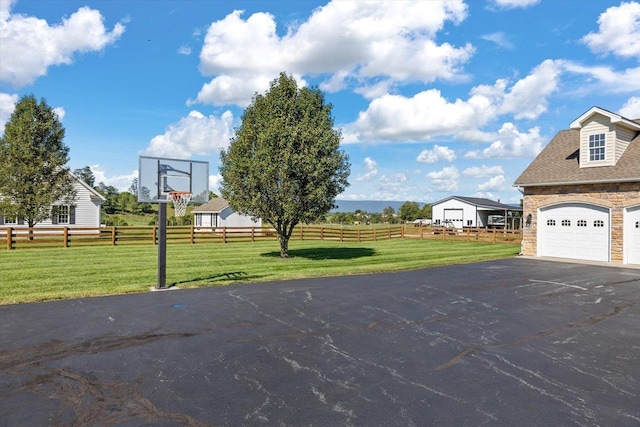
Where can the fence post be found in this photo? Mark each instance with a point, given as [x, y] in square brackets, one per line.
[253, 234]
[402, 232]
[301, 233]
[358, 235]
[113, 235]
[9, 238]
[193, 234]
[321, 233]
[421, 232]
[468, 234]
[494, 235]
[341, 233]
[65, 237]
[375, 237]
[224, 234]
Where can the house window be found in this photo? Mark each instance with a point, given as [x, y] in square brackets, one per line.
[437, 222]
[13, 220]
[596, 147]
[469, 222]
[598, 223]
[566, 223]
[551, 222]
[582, 223]
[63, 214]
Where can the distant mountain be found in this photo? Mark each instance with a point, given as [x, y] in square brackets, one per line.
[370, 206]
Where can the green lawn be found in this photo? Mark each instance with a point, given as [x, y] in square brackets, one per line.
[47, 274]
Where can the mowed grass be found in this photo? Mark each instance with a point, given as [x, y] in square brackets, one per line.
[28, 275]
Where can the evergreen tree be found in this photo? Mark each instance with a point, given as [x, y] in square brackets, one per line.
[284, 163]
[33, 175]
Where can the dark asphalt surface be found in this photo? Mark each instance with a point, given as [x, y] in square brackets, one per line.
[513, 342]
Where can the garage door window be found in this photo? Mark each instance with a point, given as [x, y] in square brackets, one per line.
[566, 223]
[598, 223]
[551, 222]
[582, 223]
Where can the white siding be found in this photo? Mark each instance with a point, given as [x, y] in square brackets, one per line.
[87, 210]
[455, 209]
[229, 218]
[597, 125]
[623, 138]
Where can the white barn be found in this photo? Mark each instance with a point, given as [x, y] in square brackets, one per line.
[469, 211]
[83, 212]
[217, 213]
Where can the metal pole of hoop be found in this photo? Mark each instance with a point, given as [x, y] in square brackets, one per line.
[162, 246]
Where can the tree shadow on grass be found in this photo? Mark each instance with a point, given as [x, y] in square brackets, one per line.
[318, 254]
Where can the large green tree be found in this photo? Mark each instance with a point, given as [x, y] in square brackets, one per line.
[409, 211]
[284, 164]
[33, 175]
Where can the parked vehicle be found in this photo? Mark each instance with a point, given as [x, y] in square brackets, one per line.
[421, 222]
[495, 221]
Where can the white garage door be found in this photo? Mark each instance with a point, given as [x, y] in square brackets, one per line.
[456, 216]
[632, 235]
[574, 230]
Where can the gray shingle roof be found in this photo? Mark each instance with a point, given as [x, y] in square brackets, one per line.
[482, 203]
[217, 204]
[558, 164]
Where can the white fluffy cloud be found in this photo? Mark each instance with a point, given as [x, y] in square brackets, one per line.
[512, 4]
[30, 45]
[605, 78]
[194, 134]
[482, 171]
[528, 98]
[499, 38]
[631, 108]
[618, 32]
[393, 41]
[445, 179]
[427, 114]
[370, 168]
[121, 182]
[437, 154]
[496, 184]
[511, 143]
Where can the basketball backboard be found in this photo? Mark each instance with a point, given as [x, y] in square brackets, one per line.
[158, 176]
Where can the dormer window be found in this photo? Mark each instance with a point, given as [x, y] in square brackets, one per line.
[596, 147]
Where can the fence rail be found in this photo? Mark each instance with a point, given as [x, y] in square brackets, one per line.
[47, 237]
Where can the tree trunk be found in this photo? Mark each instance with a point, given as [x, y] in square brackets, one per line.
[284, 246]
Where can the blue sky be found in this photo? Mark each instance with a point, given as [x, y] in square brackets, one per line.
[433, 98]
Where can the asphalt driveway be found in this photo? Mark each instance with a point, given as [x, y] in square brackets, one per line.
[512, 342]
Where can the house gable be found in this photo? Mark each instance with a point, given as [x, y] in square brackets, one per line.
[604, 137]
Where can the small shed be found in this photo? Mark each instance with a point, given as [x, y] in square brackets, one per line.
[217, 213]
[474, 212]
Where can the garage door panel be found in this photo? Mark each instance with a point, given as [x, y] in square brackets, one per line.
[632, 235]
[574, 230]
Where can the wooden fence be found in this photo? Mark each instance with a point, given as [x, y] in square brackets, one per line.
[42, 237]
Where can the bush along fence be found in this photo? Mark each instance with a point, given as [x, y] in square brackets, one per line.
[42, 237]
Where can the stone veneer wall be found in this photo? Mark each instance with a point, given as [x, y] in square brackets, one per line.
[617, 197]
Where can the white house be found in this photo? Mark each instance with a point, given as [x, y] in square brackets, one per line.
[83, 212]
[470, 211]
[217, 213]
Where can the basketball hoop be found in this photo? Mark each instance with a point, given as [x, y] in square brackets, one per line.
[180, 201]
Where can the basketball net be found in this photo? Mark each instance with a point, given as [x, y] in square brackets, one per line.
[180, 201]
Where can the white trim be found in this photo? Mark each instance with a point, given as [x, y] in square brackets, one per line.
[615, 118]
